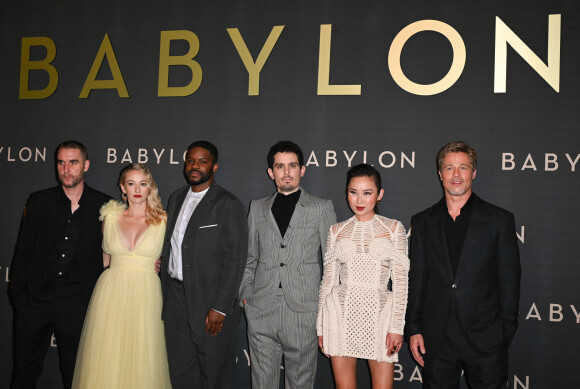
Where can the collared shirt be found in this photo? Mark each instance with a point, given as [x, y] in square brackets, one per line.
[283, 209]
[64, 265]
[41, 231]
[192, 199]
[455, 231]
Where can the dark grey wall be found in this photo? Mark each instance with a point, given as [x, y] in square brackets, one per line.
[531, 121]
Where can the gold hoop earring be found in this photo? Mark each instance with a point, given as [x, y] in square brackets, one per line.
[124, 196]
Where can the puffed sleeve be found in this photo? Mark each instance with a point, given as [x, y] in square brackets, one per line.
[112, 207]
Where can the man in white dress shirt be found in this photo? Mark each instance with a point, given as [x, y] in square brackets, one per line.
[204, 253]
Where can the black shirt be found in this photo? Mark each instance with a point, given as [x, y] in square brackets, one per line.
[64, 264]
[42, 238]
[283, 209]
[455, 231]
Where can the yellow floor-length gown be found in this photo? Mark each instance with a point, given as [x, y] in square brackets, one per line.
[122, 344]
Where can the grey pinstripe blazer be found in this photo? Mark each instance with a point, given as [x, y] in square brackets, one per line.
[292, 260]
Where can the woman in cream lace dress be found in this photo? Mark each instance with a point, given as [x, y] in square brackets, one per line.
[122, 344]
[359, 316]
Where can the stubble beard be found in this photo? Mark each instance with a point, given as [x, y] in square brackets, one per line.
[76, 181]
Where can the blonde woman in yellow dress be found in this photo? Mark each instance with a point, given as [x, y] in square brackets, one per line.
[122, 344]
[358, 315]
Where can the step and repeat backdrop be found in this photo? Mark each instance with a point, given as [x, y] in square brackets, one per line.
[382, 82]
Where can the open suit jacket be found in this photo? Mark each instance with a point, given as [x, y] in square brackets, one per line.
[483, 294]
[292, 260]
[214, 251]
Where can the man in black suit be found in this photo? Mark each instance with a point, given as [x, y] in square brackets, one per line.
[57, 261]
[204, 254]
[464, 282]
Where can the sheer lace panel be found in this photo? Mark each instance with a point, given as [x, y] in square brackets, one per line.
[360, 260]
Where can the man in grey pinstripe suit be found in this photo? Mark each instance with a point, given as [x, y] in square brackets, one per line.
[280, 285]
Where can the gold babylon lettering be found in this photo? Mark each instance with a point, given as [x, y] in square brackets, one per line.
[504, 36]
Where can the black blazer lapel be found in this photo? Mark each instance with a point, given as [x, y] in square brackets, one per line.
[436, 233]
[478, 225]
[201, 213]
[174, 212]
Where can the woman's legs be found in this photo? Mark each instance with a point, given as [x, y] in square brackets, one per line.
[382, 374]
[344, 369]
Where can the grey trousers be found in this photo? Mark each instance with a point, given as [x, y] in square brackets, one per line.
[275, 332]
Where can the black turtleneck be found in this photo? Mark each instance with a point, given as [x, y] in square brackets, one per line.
[283, 208]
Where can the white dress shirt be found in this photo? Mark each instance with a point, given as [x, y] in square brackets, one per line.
[192, 199]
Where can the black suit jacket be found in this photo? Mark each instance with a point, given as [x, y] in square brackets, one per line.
[483, 294]
[37, 240]
[214, 252]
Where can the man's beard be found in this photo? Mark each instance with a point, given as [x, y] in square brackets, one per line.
[202, 179]
[75, 182]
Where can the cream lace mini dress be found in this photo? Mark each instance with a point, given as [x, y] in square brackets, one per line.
[356, 309]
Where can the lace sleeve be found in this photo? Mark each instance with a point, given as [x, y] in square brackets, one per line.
[331, 274]
[400, 278]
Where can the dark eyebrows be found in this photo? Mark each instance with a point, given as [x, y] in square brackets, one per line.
[70, 160]
[366, 190]
[362, 190]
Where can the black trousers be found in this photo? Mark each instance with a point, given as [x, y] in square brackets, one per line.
[482, 370]
[198, 360]
[55, 309]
